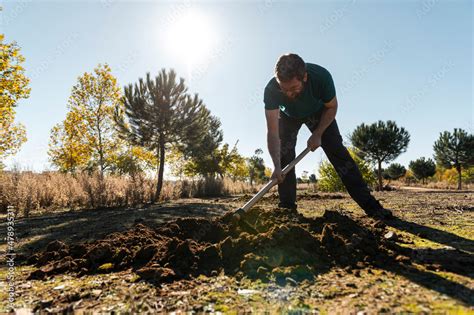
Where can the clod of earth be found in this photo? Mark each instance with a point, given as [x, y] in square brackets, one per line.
[285, 247]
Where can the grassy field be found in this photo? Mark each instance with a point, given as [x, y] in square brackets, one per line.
[437, 226]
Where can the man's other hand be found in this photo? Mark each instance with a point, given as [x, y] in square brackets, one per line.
[314, 141]
[278, 175]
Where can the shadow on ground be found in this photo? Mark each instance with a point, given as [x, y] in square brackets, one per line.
[33, 234]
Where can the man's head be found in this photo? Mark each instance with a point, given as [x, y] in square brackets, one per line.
[290, 73]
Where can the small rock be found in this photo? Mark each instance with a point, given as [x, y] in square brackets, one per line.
[246, 291]
[390, 235]
[59, 287]
[96, 292]
[55, 246]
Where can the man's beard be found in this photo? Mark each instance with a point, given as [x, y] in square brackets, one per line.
[294, 97]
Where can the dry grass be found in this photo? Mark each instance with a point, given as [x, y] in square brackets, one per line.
[30, 192]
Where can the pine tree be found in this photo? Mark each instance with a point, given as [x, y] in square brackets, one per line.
[159, 113]
[455, 150]
[422, 168]
[380, 143]
[395, 171]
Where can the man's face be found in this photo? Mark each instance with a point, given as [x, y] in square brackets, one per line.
[293, 87]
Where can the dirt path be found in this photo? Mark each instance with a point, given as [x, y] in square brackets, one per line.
[438, 190]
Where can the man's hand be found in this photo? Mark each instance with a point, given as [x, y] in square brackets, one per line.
[314, 141]
[278, 175]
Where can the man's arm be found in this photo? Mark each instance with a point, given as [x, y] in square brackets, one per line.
[328, 115]
[273, 141]
[273, 137]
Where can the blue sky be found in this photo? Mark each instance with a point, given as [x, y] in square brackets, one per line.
[408, 61]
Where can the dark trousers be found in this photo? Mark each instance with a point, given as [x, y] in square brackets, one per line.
[331, 143]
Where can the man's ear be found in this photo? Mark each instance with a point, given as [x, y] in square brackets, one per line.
[305, 76]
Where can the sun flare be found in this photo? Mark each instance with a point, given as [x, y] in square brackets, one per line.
[191, 37]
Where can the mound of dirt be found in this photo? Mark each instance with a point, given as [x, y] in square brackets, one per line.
[285, 247]
[302, 196]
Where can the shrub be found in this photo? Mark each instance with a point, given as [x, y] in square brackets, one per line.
[330, 181]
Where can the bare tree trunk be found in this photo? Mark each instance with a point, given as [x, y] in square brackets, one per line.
[161, 168]
[101, 149]
[458, 168]
[379, 175]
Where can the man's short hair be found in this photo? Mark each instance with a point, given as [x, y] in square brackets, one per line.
[290, 66]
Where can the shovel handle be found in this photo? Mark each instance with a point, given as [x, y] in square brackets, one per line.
[273, 182]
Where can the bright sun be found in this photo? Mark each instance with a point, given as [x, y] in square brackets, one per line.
[191, 37]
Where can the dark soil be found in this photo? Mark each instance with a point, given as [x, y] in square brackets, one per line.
[285, 247]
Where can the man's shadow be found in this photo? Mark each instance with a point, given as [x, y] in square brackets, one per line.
[457, 258]
[434, 235]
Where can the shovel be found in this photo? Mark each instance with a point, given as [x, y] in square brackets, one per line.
[239, 213]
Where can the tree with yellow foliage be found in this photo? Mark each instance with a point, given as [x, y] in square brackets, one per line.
[87, 138]
[13, 87]
[68, 148]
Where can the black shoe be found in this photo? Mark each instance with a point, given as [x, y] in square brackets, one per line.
[378, 211]
[291, 207]
[287, 205]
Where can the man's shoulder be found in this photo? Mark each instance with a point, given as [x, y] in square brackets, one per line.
[272, 94]
[272, 85]
[316, 71]
[322, 82]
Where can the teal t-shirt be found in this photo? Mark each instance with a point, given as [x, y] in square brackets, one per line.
[319, 89]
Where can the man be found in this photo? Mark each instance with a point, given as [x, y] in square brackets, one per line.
[304, 93]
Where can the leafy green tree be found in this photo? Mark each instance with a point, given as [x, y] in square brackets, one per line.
[330, 181]
[132, 161]
[256, 167]
[385, 175]
[160, 113]
[222, 161]
[380, 142]
[422, 168]
[238, 169]
[13, 87]
[455, 150]
[204, 157]
[229, 159]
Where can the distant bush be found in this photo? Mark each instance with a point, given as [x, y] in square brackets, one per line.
[330, 181]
